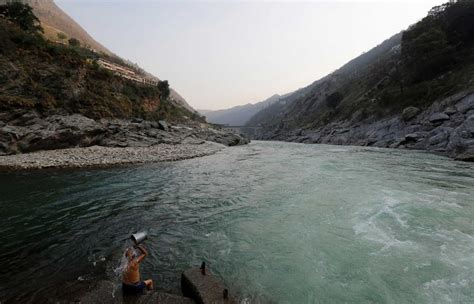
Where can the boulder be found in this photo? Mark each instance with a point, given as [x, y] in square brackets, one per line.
[466, 104]
[11, 132]
[75, 122]
[438, 117]
[461, 142]
[26, 119]
[106, 292]
[450, 110]
[467, 154]
[162, 125]
[204, 288]
[409, 113]
[440, 137]
[357, 116]
[63, 131]
[417, 136]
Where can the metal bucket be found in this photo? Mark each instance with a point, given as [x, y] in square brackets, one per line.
[138, 237]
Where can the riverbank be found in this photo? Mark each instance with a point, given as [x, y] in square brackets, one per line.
[446, 127]
[33, 131]
[97, 156]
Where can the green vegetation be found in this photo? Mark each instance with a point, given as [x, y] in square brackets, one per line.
[62, 36]
[439, 42]
[74, 42]
[164, 88]
[22, 15]
[49, 77]
[334, 99]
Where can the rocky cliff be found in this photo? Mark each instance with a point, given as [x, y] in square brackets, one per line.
[446, 127]
[412, 91]
[55, 96]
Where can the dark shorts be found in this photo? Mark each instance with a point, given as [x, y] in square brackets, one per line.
[133, 289]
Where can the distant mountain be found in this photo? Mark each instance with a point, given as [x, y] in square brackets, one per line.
[414, 90]
[239, 115]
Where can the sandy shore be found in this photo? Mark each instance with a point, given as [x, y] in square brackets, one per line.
[97, 156]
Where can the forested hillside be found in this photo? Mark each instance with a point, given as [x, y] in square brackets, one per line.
[45, 76]
[414, 71]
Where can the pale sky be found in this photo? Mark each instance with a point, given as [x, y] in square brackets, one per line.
[218, 54]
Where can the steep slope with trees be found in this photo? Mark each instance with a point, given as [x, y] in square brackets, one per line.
[56, 96]
[60, 27]
[412, 91]
[44, 76]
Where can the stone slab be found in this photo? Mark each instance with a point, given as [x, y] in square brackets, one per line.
[204, 289]
[107, 292]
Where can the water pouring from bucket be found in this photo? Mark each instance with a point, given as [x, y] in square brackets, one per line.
[132, 284]
[139, 237]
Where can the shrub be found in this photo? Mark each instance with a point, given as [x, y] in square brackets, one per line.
[74, 42]
[334, 100]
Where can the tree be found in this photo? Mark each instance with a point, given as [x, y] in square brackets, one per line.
[74, 42]
[22, 15]
[334, 99]
[458, 21]
[164, 88]
[61, 36]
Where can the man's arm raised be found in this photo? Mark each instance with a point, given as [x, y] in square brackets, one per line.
[144, 253]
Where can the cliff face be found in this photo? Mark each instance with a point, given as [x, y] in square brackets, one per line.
[55, 96]
[412, 91]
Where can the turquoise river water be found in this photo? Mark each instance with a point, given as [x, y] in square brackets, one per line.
[279, 222]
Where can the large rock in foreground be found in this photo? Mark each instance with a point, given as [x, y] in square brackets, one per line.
[204, 288]
[106, 292]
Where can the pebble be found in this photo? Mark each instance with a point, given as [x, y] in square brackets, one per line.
[106, 156]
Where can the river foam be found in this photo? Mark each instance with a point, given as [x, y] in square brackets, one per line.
[279, 222]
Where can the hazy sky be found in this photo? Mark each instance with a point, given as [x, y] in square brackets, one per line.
[224, 53]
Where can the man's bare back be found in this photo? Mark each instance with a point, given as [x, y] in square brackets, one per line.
[131, 283]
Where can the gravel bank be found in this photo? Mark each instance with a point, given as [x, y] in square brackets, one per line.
[97, 156]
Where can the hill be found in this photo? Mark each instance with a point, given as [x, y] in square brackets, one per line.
[54, 21]
[412, 91]
[59, 27]
[45, 76]
[239, 115]
[55, 96]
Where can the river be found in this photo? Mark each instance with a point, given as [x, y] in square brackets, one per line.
[279, 222]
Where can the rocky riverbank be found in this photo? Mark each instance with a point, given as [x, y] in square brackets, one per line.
[97, 156]
[61, 140]
[446, 127]
[31, 131]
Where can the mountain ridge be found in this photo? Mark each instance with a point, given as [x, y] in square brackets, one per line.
[413, 91]
[238, 115]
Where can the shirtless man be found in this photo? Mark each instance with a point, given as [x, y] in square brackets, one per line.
[131, 283]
